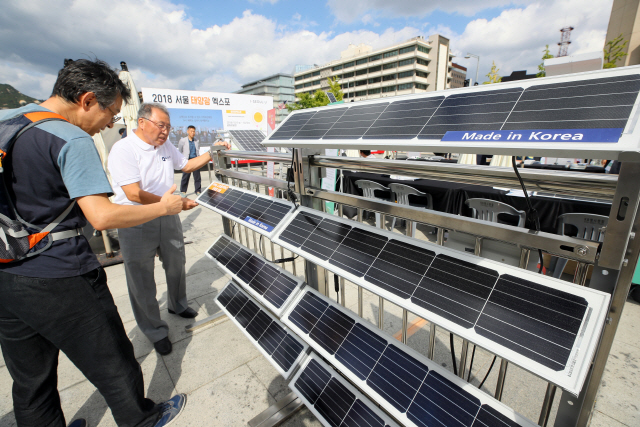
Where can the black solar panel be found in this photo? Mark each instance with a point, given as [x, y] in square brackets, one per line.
[587, 104]
[469, 295]
[331, 96]
[248, 140]
[270, 284]
[283, 349]
[258, 212]
[333, 400]
[394, 375]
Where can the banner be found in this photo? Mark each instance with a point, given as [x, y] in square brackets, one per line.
[271, 120]
[329, 183]
[210, 112]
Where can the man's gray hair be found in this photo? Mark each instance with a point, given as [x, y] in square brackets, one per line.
[146, 109]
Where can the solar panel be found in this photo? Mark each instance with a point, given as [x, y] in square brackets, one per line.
[274, 340]
[332, 97]
[248, 140]
[568, 116]
[333, 400]
[411, 388]
[271, 285]
[547, 326]
[255, 211]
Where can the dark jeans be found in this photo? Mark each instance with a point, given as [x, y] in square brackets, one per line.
[40, 317]
[185, 181]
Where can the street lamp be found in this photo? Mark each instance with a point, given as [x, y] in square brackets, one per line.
[470, 55]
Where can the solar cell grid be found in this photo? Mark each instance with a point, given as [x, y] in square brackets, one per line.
[260, 213]
[403, 119]
[334, 401]
[273, 339]
[271, 285]
[355, 121]
[320, 123]
[397, 377]
[292, 125]
[531, 323]
[249, 140]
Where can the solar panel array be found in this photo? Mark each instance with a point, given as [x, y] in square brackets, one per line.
[413, 389]
[544, 325]
[258, 212]
[248, 140]
[271, 285]
[276, 342]
[587, 104]
[333, 400]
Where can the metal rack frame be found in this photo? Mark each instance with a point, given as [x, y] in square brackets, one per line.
[618, 254]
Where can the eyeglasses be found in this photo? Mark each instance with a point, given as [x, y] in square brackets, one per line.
[161, 126]
[115, 117]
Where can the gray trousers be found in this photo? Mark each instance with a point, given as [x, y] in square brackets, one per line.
[139, 246]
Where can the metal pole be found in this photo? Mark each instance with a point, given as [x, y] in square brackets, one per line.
[501, 376]
[342, 292]
[432, 341]
[380, 312]
[360, 301]
[463, 359]
[440, 237]
[547, 403]
[405, 318]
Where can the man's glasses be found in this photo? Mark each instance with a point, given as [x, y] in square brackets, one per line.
[160, 126]
[115, 117]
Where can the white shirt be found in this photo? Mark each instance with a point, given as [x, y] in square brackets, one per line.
[132, 160]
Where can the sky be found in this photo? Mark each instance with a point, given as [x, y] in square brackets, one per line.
[220, 45]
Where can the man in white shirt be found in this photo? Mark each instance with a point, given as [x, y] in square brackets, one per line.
[142, 168]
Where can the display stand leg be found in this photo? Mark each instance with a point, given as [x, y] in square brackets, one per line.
[278, 412]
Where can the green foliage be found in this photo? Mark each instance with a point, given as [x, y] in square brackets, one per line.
[305, 100]
[493, 75]
[546, 55]
[614, 51]
[336, 90]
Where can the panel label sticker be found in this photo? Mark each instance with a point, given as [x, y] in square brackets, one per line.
[538, 135]
[259, 224]
[218, 187]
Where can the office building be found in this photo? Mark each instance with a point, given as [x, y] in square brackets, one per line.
[279, 86]
[458, 76]
[414, 66]
[624, 20]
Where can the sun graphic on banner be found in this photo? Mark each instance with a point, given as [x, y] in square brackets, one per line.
[257, 117]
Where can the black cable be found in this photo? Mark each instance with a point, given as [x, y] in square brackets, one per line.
[453, 355]
[336, 285]
[532, 214]
[488, 372]
[290, 192]
[473, 353]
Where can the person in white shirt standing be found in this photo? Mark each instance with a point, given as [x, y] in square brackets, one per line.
[189, 146]
[142, 168]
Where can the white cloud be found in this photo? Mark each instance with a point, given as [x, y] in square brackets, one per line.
[160, 44]
[516, 38]
[163, 49]
[349, 11]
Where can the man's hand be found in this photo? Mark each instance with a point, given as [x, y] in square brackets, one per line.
[188, 204]
[172, 203]
[225, 143]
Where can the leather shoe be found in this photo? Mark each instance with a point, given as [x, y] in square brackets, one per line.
[189, 313]
[163, 346]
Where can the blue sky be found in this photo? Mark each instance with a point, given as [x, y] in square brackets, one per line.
[219, 45]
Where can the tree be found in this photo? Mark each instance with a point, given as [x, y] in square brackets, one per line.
[493, 75]
[336, 89]
[546, 55]
[614, 51]
[305, 100]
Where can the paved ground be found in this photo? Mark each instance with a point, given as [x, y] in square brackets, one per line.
[228, 382]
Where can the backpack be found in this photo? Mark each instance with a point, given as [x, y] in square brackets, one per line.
[18, 238]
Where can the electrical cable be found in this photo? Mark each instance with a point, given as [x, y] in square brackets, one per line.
[473, 353]
[275, 261]
[290, 192]
[488, 372]
[453, 355]
[336, 285]
[532, 213]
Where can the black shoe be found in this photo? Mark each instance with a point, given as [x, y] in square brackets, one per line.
[198, 193]
[80, 422]
[189, 313]
[163, 346]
